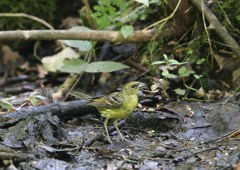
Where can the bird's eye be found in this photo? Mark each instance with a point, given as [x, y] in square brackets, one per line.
[134, 86]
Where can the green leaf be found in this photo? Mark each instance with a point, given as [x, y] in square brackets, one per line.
[180, 92]
[200, 61]
[6, 105]
[120, 4]
[104, 66]
[74, 66]
[197, 76]
[159, 62]
[166, 74]
[35, 99]
[165, 57]
[82, 45]
[238, 17]
[184, 72]
[145, 2]
[190, 51]
[79, 66]
[175, 62]
[126, 31]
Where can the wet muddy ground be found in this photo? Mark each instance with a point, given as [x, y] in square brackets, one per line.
[177, 135]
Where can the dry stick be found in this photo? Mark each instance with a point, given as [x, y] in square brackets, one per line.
[217, 26]
[112, 36]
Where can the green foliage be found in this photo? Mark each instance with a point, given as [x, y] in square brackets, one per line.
[107, 12]
[42, 9]
[184, 72]
[238, 18]
[115, 14]
[79, 66]
[168, 75]
[173, 69]
[108, 15]
[180, 92]
[6, 105]
[169, 64]
[82, 45]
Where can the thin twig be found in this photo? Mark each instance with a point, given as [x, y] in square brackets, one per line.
[207, 33]
[29, 17]
[164, 20]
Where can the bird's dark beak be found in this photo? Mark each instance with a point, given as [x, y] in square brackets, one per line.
[141, 85]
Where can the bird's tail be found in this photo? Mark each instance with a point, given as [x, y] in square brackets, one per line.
[80, 95]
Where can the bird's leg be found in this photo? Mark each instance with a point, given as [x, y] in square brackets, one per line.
[115, 123]
[106, 129]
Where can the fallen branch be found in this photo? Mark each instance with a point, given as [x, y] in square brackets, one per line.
[217, 26]
[94, 35]
[65, 109]
[145, 35]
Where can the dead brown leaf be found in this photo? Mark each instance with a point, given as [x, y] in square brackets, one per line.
[229, 63]
[10, 59]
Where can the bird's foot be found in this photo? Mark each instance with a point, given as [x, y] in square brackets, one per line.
[122, 137]
[109, 140]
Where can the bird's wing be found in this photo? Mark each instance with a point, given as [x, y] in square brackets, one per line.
[113, 100]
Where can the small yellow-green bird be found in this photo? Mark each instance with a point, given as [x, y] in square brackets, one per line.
[118, 105]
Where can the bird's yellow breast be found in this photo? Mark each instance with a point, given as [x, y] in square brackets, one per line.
[128, 106]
